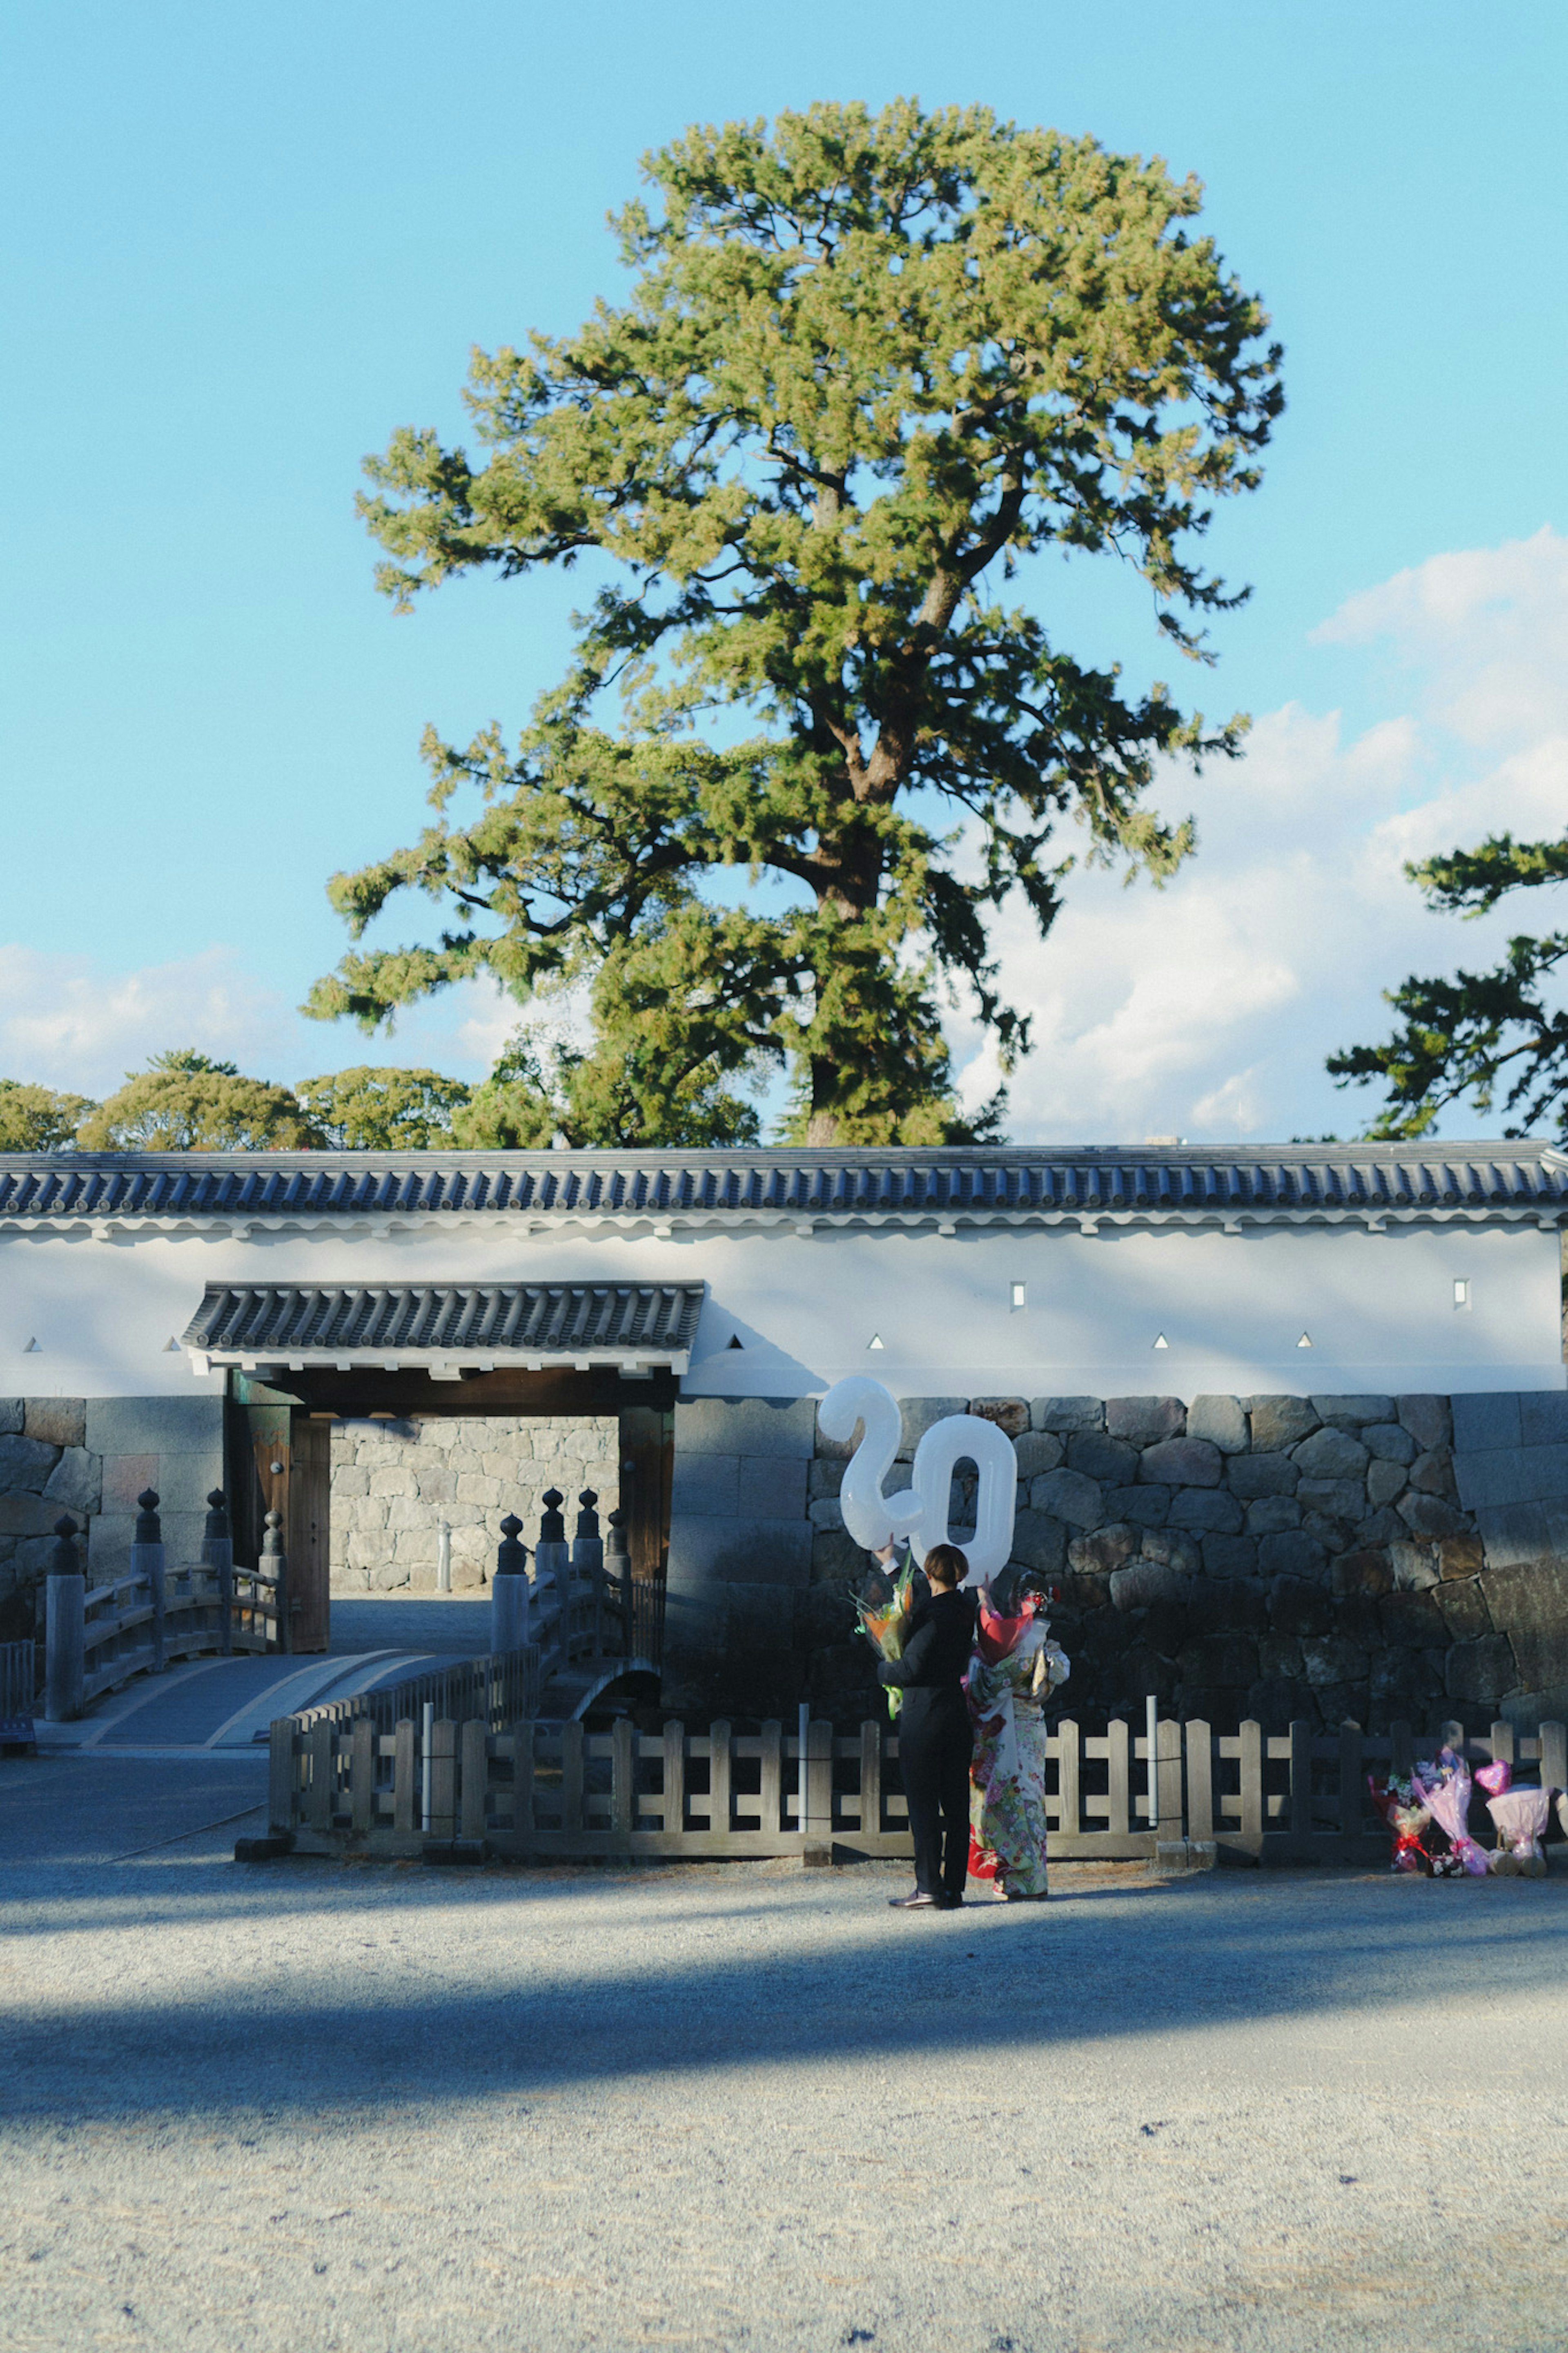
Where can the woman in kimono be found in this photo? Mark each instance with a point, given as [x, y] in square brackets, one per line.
[1014, 1668]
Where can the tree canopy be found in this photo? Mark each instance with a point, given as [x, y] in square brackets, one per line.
[37, 1119]
[183, 1103]
[381, 1108]
[1479, 1034]
[867, 364]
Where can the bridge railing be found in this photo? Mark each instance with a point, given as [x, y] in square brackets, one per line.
[98, 1638]
[18, 1694]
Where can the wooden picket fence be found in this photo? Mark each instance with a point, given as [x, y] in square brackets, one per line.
[558, 1791]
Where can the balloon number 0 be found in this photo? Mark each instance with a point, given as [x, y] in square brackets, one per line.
[919, 1512]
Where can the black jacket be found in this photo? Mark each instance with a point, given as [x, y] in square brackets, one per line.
[936, 1659]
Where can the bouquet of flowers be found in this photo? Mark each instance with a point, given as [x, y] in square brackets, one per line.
[884, 1612]
[1520, 1817]
[1403, 1806]
[1445, 1790]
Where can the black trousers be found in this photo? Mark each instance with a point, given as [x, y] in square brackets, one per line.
[935, 1753]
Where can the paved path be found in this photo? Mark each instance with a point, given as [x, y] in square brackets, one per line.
[384, 2109]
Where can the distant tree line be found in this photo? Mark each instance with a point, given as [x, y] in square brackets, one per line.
[183, 1102]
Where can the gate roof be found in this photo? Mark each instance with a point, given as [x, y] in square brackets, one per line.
[399, 1324]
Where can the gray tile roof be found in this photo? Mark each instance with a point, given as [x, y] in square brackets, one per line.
[539, 1320]
[976, 1184]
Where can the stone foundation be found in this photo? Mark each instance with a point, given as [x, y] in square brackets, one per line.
[92, 1457]
[394, 1481]
[1272, 1556]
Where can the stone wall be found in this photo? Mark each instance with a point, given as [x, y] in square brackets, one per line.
[394, 1481]
[1274, 1556]
[92, 1457]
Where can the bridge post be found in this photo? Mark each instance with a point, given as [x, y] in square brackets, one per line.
[65, 1654]
[618, 1571]
[588, 1561]
[147, 1563]
[510, 1590]
[218, 1554]
[275, 1564]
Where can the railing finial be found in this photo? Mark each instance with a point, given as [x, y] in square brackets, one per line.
[149, 1530]
[551, 1526]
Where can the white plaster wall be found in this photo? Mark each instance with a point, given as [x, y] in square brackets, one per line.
[1378, 1306]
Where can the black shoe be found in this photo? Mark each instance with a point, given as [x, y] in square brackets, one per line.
[915, 1903]
[950, 1903]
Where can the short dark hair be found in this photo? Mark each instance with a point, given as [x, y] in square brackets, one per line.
[945, 1565]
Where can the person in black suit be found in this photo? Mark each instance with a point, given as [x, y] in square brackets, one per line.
[935, 1741]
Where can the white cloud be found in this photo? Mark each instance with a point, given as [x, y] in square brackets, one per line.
[1207, 1009]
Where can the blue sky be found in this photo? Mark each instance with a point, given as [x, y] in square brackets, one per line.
[245, 244]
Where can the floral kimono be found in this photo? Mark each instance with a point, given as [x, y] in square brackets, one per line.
[1015, 1667]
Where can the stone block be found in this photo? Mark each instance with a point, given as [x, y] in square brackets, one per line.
[1230, 1556]
[1384, 1527]
[13, 1412]
[1480, 1671]
[1292, 1553]
[919, 1414]
[1165, 1628]
[436, 1486]
[824, 1511]
[1176, 1549]
[1542, 1416]
[746, 1426]
[400, 1481]
[1220, 1659]
[705, 1550]
[1146, 1421]
[1037, 1451]
[1261, 1474]
[1334, 1499]
[59, 1421]
[772, 1486]
[1433, 1474]
[108, 1545]
[1430, 1516]
[1361, 1572]
[1464, 1609]
[1389, 1442]
[1271, 1515]
[1227, 1605]
[1412, 1621]
[1332, 1659]
[1205, 1508]
[348, 1479]
[1278, 1423]
[1299, 1606]
[836, 1558]
[1182, 1462]
[1513, 1532]
[76, 1482]
[1039, 1541]
[1385, 1481]
[1485, 1419]
[1279, 1655]
[154, 1425]
[706, 1486]
[22, 1514]
[825, 1479]
[1528, 1602]
[25, 1465]
[186, 1481]
[1146, 1507]
[1331, 1453]
[1426, 1417]
[1108, 1548]
[1222, 1420]
[1009, 1414]
[1351, 1412]
[1461, 1557]
[1068, 1496]
[1099, 1457]
[1142, 1582]
[1060, 1415]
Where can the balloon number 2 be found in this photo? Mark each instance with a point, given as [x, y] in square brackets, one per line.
[919, 1512]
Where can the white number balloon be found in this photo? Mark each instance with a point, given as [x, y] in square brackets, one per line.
[921, 1512]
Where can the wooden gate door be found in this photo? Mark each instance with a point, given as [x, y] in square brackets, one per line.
[647, 1458]
[294, 1477]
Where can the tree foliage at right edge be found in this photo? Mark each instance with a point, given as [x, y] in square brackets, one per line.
[1479, 1034]
[869, 363]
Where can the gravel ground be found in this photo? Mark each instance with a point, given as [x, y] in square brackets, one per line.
[304, 2105]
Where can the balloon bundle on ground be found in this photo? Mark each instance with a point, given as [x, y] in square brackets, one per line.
[1438, 1794]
